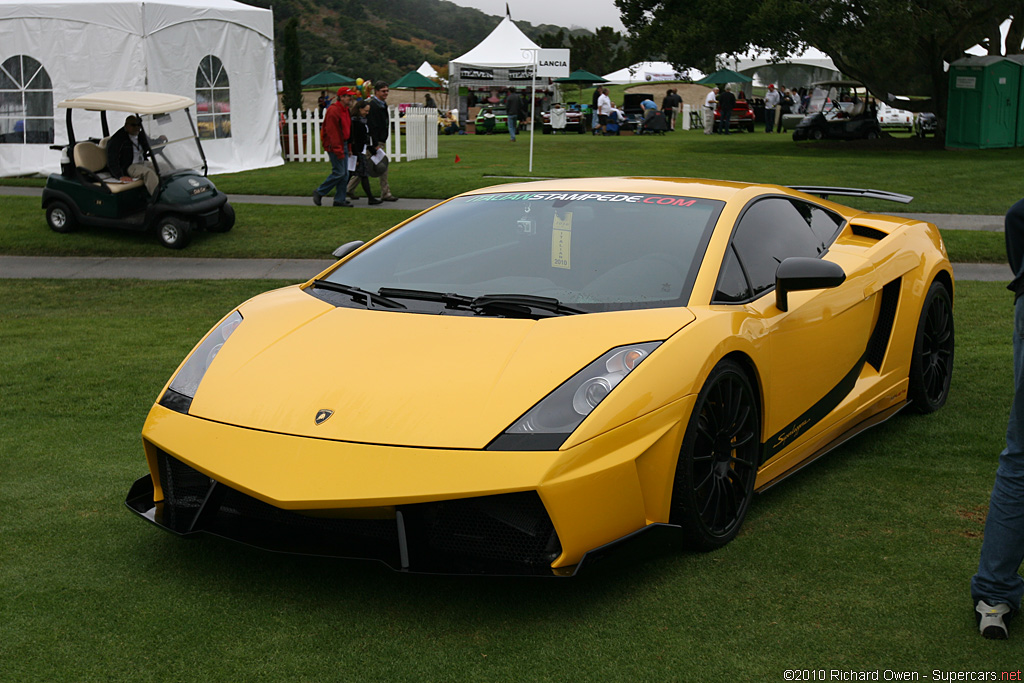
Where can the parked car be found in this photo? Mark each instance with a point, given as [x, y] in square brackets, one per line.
[596, 362]
[841, 110]
[742, 117]
[890, 117]
[926, 124]
[500, 121]
[577, 118]
[85, 194]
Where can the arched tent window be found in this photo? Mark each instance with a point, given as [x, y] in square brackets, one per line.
[213, 99]
[26, 102]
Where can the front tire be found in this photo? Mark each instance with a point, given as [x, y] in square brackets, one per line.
[226, 221]
[718, 460]
[931, 366]
[818, 134]
[60, 218]
[173, 232]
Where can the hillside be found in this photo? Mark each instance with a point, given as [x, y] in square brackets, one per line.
[384, 39]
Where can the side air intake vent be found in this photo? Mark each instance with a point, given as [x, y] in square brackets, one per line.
[870, 233]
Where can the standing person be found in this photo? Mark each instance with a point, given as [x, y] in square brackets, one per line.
[360, 145]
[323, 102]
[710, 104]
[726, 103]
[595, 124]
[997, 587]
[789, 103]
[669, 104]
[772, 108]
[604, 108]
[126, 155]
[334, 135]
[429, 103]
[379, 127]
[515, 110]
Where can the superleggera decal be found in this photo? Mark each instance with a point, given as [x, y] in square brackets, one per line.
[583, 197]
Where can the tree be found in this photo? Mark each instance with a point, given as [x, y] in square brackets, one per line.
[893, 47]
[292, 67]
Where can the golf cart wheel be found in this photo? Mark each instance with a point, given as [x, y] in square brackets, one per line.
[60, 217]
[931, 365]
[872, 135]
[718, 459]
[226, 220]
[173, 232]
[817, 134]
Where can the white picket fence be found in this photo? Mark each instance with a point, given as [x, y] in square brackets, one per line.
[413, 136]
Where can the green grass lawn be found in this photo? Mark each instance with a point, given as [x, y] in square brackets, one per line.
[268, 231]
[976, 182]
[860, 562]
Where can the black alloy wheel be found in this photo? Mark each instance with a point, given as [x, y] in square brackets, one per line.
[718, 460]
[931, 366]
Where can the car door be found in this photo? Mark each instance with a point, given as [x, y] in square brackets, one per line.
[816, 347]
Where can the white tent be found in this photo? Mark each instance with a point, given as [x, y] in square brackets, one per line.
[427, 70]
[504, 58]
[643, 72]
[219, 52]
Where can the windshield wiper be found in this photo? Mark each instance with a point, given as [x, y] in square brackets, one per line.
[449, 300]
[511, 305]
[543, 303]
[369, 298]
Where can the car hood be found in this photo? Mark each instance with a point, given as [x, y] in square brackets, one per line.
[400, 378]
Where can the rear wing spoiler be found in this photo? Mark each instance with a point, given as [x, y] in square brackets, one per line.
[824, 192]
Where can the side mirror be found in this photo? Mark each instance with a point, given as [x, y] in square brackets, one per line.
[799, 273]
[346, 249]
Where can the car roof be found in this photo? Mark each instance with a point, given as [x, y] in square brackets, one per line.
[133, 102]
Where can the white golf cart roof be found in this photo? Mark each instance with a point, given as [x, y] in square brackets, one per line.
[129, 101]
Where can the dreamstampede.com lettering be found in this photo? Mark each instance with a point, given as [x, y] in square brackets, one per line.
[583, 197]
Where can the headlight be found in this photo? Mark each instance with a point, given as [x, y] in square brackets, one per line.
[550, 422]
[183, 387]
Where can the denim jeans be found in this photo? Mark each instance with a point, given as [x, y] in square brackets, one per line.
[1002, 550]
[513, 121]
[337, 178]
[769, 119]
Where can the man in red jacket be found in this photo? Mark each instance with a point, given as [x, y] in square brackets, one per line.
[334, 135]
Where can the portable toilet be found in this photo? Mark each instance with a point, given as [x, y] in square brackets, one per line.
[983, 102]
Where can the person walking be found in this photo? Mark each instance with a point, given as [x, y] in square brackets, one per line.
[772, 108]
[710, 104]
[604, 108]
[515, 111]
[380, 125]
[997, 588]
[670, 105]
[360, 145]
[334, 135]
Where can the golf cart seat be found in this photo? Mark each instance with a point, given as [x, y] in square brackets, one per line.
[93, 158]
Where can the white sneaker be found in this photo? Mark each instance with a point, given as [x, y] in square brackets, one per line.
[991, 619]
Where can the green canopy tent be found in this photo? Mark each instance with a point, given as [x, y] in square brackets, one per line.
[724, 76]
[325, 79]
[414, 80]
[581, 77]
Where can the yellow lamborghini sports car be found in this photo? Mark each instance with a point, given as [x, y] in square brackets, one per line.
[526, 377]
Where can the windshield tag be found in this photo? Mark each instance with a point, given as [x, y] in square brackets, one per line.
[561, 240]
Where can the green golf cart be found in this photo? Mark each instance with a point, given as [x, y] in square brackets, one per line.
[85, 194]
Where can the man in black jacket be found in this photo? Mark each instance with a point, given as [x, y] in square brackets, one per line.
[126, 155]
[379, 123]
[726, 103]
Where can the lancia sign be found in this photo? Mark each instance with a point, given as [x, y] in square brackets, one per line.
[553, 63]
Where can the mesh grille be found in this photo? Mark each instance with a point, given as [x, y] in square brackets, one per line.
[513, 527]
[510, 529]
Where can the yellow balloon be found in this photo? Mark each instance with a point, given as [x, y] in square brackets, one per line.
[359, 82]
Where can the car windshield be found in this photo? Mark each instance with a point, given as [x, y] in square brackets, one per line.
[591, 251]
[173, 141]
